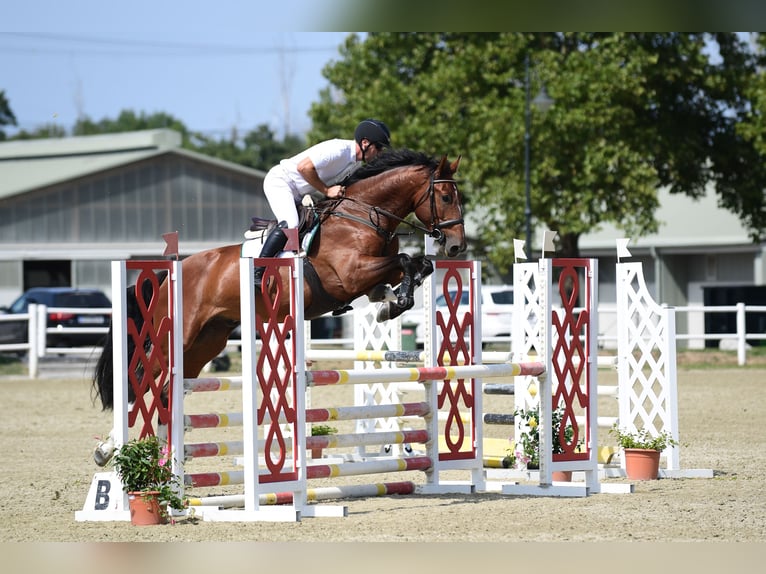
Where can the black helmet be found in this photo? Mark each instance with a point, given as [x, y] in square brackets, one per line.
[375, 131]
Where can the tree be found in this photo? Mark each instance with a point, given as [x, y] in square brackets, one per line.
[130, 121]
[257, 149]
[632, 113]
[6, 114]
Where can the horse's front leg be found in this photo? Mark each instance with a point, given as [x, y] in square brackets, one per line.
[414, 272]
[420, 267]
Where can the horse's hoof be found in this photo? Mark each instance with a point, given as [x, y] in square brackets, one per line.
[384, 313]
[100, 457]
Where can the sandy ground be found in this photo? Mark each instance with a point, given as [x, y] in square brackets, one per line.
[47, 430]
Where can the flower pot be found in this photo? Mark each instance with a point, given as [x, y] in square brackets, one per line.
[316, 452]
[561, 476]
[145, 509]
[642, 463]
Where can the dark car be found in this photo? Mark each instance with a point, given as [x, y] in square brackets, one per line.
[12, 332]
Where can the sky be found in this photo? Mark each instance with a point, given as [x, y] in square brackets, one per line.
[215, 65]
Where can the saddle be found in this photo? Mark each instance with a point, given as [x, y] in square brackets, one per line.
[310, 217]
[306, 219]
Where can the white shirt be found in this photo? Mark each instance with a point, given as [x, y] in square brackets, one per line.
[334, 160]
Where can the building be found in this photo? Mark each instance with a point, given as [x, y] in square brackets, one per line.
[68, 207]
[700, 256]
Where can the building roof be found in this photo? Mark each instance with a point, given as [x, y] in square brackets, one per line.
[32, 164]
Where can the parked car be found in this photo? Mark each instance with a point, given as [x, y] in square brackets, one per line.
[12, 332]
[496, 311]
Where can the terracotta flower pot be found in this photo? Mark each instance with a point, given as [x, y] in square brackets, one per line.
[561, 476]
[641, 463]
[145, 509]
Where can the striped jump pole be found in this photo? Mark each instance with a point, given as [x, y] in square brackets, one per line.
[312, 495]
[210, 479]
[324, 441]
[317, 415]
[423, 374]
[393, 356]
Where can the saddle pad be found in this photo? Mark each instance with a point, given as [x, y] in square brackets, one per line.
[254, 240]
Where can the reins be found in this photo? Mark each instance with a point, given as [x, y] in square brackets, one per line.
[374, 222]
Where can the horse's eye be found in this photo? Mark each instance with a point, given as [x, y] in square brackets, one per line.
[446, 198]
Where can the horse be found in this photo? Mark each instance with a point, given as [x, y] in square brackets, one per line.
[354, 252]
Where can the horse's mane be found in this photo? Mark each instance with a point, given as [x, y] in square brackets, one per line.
[391, 159]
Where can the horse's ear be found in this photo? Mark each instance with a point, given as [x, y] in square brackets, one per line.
[443, 162]
[454, 165]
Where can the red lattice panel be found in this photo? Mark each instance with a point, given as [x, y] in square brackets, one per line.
[149, 369]
[276, 375]
[570, 354]
[457, 340]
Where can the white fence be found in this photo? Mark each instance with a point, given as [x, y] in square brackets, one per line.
[696, 335]
[37, 348]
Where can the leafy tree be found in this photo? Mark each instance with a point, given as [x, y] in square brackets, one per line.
[632, 113]
[258, 148]
[51, 130]
[6, 114]
[129, 121]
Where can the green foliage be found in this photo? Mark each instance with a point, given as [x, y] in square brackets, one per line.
[642, 439]
[145, 465]
[633, 112]
[318, 430]
[7, 118]
[529, 453]
[258, 149]
[130, 121]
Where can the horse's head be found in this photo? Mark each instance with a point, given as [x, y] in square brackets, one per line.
[442, 211]
[400, 182]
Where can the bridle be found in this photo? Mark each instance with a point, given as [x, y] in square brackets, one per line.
[436, 227]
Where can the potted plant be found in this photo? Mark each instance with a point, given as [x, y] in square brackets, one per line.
[320, 430]
[642, 451]
[145, 468]
[526, 454]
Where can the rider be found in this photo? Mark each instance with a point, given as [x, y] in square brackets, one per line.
[321, 167]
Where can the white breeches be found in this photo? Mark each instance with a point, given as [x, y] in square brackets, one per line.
[280, 198]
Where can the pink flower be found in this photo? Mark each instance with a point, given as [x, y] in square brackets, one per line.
[165, 455]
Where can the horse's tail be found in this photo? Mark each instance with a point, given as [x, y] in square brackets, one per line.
[103, 376]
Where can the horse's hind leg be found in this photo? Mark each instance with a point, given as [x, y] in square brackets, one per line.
[104, 450]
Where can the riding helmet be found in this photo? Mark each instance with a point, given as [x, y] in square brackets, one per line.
[375, 131]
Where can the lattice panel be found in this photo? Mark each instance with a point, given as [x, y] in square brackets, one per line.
[569, 335]
[527, 340]
[275, 371]
[646, 347]
[369, 335]
[148, 371]
[456, 336]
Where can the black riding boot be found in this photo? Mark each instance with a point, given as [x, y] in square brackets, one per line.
[273, 245]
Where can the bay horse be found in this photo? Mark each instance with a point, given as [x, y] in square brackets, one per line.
[354, 252]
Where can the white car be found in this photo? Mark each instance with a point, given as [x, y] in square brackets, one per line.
[496, 310]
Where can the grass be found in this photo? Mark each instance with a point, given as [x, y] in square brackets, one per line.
[12, 365]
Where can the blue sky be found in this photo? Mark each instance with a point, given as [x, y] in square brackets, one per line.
[214, 65]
